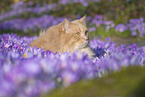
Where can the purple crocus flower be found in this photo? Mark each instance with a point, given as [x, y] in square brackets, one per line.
[120, 27]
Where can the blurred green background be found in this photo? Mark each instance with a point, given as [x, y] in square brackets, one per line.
[118, 10]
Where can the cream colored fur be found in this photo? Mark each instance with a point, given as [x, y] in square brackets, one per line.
[65, 37]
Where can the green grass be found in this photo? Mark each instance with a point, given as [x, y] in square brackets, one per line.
[129, 82]
[116, 36]
[112, 32]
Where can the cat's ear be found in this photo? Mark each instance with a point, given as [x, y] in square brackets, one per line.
[83, 19]
[66, 25]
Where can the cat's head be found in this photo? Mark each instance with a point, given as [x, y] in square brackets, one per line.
[77, 32]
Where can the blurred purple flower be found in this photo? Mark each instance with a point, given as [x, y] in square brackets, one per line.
[120, 27]
[91, 29]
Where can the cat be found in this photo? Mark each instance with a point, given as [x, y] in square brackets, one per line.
[65, 37]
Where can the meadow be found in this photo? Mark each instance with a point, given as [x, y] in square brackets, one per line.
[33, 72]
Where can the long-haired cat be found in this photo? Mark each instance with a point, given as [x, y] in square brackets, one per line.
[65, 37]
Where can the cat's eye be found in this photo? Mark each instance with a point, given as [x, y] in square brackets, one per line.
[78, 33]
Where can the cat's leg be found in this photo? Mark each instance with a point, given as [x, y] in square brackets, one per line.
[88, 51]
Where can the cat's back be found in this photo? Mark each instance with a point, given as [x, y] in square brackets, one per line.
[53, 30]
[49, 39]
